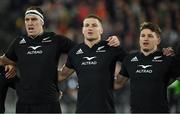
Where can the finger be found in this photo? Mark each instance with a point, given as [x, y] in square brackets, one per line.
[6, 68]
[111, 41]
[109, 38]
[10, 73]
[114, 44]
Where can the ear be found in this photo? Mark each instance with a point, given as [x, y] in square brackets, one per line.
[83, 30]
[101, 30]
[159, 40]
[42, 23]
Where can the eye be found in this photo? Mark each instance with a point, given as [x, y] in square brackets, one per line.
[94, 25]
[150, 35]
[142, 35]
[86, 25]
[26, 19]
[34, 19]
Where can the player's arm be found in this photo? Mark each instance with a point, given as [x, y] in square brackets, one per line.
[64, 73]
[5, 61]
[122, 77]
[120, 81]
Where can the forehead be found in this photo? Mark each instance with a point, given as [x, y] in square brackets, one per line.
[147, 31]
[91, 20]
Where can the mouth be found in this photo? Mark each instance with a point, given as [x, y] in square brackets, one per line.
[90, 33]
[145, 44]
[30, 28]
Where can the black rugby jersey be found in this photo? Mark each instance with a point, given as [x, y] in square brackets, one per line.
[177, 58]
[95, 70]
[37, 60]
[149, 77]
[4, 84]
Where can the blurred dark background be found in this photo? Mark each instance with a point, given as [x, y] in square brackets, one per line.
[120, 17]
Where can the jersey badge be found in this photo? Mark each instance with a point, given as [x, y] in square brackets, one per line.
[101, 49]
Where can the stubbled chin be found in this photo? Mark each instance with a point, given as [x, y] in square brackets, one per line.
[146, 50]
[31, 34]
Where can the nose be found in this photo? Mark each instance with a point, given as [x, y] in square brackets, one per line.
[90, 29]
[29, 22]
[145, 38]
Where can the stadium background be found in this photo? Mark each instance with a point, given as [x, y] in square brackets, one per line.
[120, 17]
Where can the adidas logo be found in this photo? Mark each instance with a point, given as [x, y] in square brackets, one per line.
[79, 51]
[22, 41]
[134, 59]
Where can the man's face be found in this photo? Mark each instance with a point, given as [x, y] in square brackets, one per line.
[148, 40]
[33, 25]
[92, 29]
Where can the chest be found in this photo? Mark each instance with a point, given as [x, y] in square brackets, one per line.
[36, 51]
[156, 68]
[94, 59]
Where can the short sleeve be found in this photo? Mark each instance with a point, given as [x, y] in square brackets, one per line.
[124, 71]
[69, 62]
[175, 67]
[120, 54]
[65, 44]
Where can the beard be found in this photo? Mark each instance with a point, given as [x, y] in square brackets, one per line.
[146, 50]
[91, 39]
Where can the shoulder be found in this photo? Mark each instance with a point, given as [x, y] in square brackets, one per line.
[76, 50]
[160, 54]
[132, 56]
[60, 37]
[54, 36]
[19, 40]
[105, 44]
[159, 57]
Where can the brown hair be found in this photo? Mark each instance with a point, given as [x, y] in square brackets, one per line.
[95, 17]
[153, 27]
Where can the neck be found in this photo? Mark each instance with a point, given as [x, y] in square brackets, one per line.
[146, 53]
[91, 43]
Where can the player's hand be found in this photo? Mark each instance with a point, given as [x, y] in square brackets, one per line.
[113, 41]
[10, 71]
[168, 51]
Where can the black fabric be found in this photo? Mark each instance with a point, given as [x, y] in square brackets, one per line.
[4, 85]
[95, 70]
[37, 60]
[177, 60]
[38, 108]
[149, 77]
